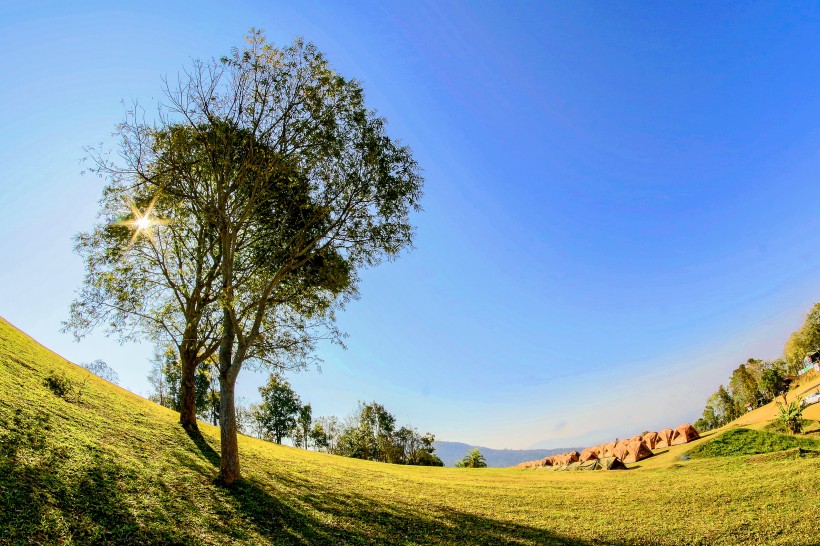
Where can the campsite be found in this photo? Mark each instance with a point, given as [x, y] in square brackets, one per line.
[422, 272]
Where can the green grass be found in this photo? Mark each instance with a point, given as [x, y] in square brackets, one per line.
[744, 441]
[108, 467]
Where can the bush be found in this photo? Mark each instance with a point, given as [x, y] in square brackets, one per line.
[64, 387]
[59, 384]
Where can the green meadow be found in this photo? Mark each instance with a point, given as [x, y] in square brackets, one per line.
[101, 465]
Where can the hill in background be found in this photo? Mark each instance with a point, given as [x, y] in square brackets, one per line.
[450, 452]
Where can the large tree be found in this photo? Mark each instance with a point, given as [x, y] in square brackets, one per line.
[278, 158]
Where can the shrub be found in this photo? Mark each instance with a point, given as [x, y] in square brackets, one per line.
[59, 384]
[791, 416]
[473, 459]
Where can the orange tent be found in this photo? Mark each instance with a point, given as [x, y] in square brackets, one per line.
[665, 438]
[635, 451]
[651, 439]
[620, 450]
[608, 449]
[589, 454]
[684, 434]
[566, 458]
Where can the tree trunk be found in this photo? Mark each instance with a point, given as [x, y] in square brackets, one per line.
[187, 394]
[229, 463]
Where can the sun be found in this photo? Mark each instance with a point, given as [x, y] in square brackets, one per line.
[141, 221]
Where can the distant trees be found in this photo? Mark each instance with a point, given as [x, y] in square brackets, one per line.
[473, 459]
[103, 370]
[757, 382]
[803, 341]
[371, 433]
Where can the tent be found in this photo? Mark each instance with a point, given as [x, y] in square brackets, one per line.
[684, 434]
[608, 448]
[635, 451]
[620, 450]
[651, 439]
[589, 454]
[664, 438]
[566, 458]
[612, 463]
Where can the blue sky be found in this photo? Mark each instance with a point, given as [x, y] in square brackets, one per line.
[620, 199]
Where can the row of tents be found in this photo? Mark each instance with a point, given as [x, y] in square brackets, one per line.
[630, 450]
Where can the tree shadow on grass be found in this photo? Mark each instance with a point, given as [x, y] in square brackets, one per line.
[320, 516]
[307, 513]
[49, 494]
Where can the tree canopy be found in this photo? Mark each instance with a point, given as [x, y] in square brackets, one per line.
[291, 183]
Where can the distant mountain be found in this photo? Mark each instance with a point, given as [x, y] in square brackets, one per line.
[450, 452]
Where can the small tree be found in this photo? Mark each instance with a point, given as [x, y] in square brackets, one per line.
[791, 415]
[473, 459]
[318, 436]
[304, 422]
[326, 433]
[279, 408]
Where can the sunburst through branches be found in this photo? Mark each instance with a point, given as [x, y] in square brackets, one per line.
[142, 222]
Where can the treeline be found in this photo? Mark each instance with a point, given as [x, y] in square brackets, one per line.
[370, 433]
[757, 382]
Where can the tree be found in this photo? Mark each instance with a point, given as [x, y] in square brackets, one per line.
[143, 282]
[304, 422]
[279, 408]
[103, 370]
[473, 459]
[803, 341]
[772, 383]
[326, 434]
[160, 390]
[415, 449]
[166, 379]
[295, 183]
[370, 433]
[743, 386]
[319, 436]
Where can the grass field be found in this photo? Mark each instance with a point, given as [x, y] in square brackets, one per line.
[114, 468]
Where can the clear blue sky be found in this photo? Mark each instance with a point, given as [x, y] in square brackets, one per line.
[620, 203]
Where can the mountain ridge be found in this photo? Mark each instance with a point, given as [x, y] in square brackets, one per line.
[450, 452]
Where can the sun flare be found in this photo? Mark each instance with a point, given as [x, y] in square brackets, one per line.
[141, 222]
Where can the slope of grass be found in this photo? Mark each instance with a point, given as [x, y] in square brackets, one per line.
[744, 441]
[111, 467]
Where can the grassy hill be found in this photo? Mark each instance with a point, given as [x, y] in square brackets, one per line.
[111, 467]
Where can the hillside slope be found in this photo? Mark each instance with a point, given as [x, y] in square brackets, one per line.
[114, 468]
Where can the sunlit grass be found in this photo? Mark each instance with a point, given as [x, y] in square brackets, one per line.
[115, 468]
